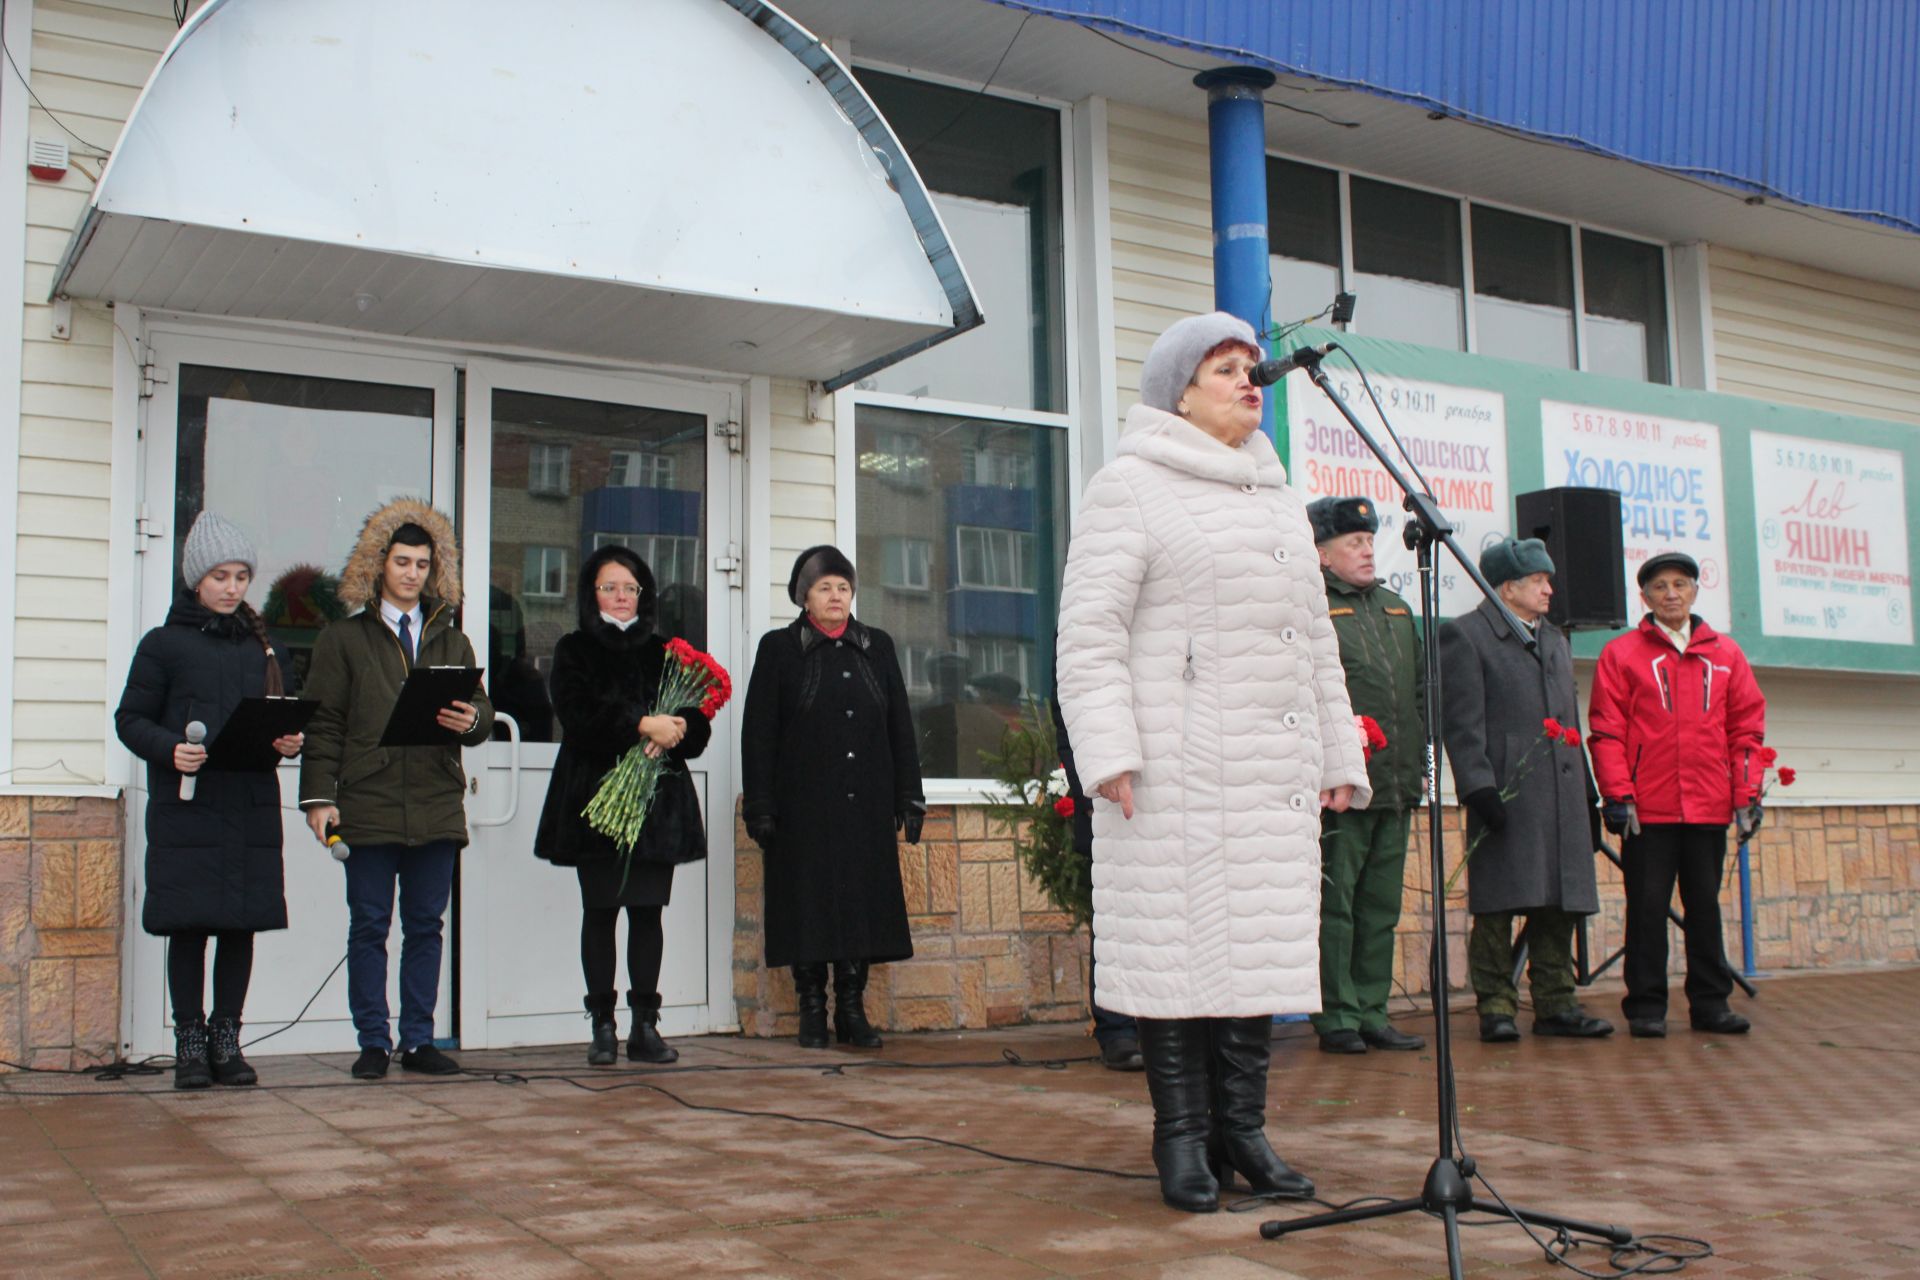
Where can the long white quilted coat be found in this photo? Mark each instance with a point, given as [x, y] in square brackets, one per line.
[1195, 652]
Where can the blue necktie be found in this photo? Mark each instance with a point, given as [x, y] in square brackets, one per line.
[406, 636]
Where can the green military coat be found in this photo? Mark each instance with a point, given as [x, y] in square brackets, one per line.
[1386, 679]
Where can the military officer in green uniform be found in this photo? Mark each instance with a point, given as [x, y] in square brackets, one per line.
[1363, 852]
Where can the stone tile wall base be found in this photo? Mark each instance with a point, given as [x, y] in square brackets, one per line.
[1831, 886]
[61, 929]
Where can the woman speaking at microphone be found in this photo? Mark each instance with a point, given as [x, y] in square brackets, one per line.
[213, 841]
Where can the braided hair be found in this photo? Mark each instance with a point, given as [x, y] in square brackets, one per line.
[276, 684]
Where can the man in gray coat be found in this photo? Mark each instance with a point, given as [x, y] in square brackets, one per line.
[1511, 727]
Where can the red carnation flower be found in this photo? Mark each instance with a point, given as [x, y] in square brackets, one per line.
[1571, 737]
[1553, 727]
[1767, 756]
[1787, 776]
[1064, 806]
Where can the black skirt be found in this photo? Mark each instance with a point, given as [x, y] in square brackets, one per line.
[649, 885]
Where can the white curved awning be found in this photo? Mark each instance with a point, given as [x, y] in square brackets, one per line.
[686, 182]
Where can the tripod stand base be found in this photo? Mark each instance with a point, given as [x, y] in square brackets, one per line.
[1446, 1194]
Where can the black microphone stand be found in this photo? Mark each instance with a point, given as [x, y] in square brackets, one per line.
[1447, 1192]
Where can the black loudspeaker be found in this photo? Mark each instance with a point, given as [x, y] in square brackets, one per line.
[1581, 528]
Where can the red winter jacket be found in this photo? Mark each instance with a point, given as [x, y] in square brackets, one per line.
[1676, 733]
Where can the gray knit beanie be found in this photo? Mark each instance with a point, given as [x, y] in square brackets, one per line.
[212, 541]
[1512, 558]
[1177, 353]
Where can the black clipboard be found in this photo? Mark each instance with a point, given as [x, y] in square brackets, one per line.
[245, 741]
[426, 693]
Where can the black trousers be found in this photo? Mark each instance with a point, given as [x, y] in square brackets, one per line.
[187, 974]
[1662, 854]
[645, 946]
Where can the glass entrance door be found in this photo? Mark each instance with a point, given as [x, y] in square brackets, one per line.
[558, 464]
[296, 447]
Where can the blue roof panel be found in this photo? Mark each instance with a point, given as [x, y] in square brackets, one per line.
[1814, 101]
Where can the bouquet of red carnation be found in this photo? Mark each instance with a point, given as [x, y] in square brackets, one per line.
[619, 808]
[1372, 736]
[1784, 774]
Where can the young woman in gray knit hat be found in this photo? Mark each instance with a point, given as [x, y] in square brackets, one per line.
[213, 847]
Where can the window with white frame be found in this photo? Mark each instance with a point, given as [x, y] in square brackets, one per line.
[673, 559]
[1544, 290]
[909, 564]
[994, 559]
[639, 469]
[898, 457]
[547, 572]
[960, 453]
[547, 468]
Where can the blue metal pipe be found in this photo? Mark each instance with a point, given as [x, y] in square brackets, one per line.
[1746, 912]
[1237, 143]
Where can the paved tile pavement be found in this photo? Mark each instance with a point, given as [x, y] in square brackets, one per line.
[1795, 1151]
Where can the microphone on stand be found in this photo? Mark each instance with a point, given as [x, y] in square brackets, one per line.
[196, 734]
[1268, 372]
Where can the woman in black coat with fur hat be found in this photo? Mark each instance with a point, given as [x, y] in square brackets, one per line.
[213, 869]
[831, 773]
[604, 680]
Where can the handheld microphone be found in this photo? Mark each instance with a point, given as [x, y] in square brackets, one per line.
[196, 734]
[335, 845]
[1268, 372]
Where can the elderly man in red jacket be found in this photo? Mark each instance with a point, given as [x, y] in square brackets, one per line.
[1675, 726]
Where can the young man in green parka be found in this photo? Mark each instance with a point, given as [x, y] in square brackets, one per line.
[1363, 852]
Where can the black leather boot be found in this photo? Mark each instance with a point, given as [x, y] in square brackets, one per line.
[223, 1053]
[643, 1042]
[605, 1049]
[810, 984]
[190, 1067]
[1175, 1051]
[850, 1025]
[1237, 1139]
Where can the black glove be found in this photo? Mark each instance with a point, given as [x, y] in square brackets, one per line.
[1489, 808]
[762, 831]
[1621, 816]
[1746, 822]
[910, 819]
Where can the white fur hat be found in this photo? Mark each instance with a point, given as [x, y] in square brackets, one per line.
[1178, 352]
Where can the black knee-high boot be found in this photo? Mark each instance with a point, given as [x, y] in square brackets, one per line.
[1242, 1049]
[1175, 1051]
[810, 985]
[850, 1025]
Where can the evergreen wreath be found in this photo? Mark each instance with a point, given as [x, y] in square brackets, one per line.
[1037, 811]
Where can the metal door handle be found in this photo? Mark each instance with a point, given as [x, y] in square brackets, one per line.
[513, 773]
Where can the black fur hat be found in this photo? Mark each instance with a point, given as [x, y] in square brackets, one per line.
[814, 564]
[1333, 517]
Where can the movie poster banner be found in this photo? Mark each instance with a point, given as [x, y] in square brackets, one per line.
[1831, 524]
[1456, 436]
[1671, 497]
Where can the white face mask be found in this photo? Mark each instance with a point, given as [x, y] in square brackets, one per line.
[618, 623]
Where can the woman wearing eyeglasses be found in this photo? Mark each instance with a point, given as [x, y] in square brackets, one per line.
[603, 682]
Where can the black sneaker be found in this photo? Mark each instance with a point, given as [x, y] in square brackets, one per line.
[1722, 1022]
[1391, 1038]
[371, 1064]
[429, 1060]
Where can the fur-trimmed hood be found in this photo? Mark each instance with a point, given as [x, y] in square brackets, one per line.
[360, 580]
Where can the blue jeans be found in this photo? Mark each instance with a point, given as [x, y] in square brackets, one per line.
[425, 876]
